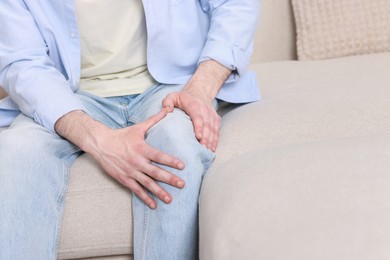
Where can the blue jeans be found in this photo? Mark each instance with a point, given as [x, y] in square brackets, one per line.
[35, 166]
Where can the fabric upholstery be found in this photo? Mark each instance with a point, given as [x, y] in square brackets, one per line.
[303, 102]
[275, 36]
[303, 174]
[334, 28]
[322, 200]
[309, 102]
[97, 216]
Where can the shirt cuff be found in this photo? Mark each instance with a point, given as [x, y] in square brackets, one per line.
[48, 113]
[229, 56]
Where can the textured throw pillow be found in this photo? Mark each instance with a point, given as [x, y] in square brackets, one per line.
[336, 28]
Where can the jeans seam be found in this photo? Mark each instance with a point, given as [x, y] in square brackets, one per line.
[65, 176]
[60, 207]
[144, 232]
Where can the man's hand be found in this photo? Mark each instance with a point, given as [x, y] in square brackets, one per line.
[200, 109]
[197, 98]
[124, 154]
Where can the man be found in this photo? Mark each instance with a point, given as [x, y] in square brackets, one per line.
[134, 85]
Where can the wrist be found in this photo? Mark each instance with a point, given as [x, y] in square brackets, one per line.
[215, 71]
[80, 129]
[208, 78]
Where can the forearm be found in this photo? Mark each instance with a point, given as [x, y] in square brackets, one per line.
[80, 129]
[231, 33]
[208, 78]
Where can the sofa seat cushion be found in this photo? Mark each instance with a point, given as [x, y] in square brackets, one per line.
[303, 173]
[97, 216]
[322, 200]
[310, 101]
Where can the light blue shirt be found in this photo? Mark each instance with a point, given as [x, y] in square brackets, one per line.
[40, 51]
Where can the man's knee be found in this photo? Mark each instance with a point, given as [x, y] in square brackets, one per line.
[174, 135]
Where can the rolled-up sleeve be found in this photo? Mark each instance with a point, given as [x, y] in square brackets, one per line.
[230, 37]
[27, 72]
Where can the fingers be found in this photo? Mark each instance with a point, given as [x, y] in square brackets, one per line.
[139, 191]
[198, 122]
[206, 127]
[170, 102]
[159, 157]
[154, 188]
[159, 174]
[153, 120]
[147, 178]
[204, 118]
[214, 131]
[217, 126]
[147, 173]
[131, 161]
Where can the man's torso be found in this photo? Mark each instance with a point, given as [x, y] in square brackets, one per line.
[113, 47]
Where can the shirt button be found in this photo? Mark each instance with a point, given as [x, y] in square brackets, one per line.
[72, 35]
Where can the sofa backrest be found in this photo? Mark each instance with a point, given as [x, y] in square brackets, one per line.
[275, 36]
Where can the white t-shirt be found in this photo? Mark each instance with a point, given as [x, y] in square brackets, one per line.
[113, 47]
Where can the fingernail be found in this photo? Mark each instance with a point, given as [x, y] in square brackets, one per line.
[180, 184]
[152, 206]
[181, 165]
[167, 199]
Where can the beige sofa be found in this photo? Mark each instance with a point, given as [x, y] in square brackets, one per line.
[302, 174]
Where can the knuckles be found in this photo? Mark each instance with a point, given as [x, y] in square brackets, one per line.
[148, 183]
